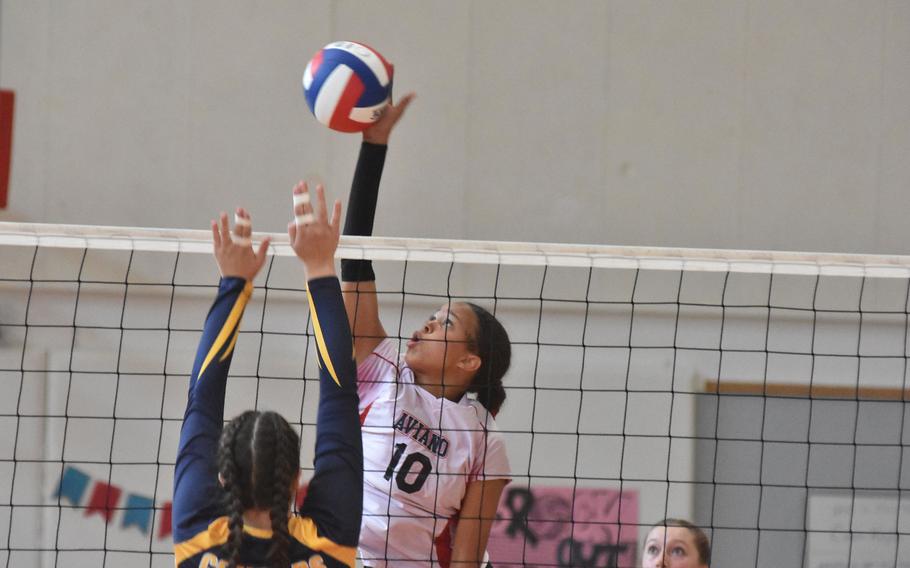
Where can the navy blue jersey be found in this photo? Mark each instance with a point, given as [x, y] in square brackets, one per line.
[326, 531]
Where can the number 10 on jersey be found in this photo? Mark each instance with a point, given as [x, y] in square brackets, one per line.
[412, 460]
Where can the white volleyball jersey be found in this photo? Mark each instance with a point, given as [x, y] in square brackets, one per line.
[419, 454]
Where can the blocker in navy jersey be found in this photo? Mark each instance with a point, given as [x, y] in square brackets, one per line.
[328, 527]
[347, 85]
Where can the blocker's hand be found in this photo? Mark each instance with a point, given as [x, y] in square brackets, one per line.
[313, 236]
[234, 252]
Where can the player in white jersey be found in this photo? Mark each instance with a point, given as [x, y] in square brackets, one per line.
[431, 452]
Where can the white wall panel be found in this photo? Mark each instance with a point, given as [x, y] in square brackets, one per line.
[731, 124]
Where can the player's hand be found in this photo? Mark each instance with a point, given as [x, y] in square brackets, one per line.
[379, 131]
[314, 237]
[234, 250]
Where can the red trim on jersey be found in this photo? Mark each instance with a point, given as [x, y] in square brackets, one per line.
[363, 415]
[392, 363]
[444, 543]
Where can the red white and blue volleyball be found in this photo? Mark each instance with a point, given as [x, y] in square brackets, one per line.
[346, 85]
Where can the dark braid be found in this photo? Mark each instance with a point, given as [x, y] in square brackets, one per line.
[491, 342]
[258, 459]
[232, 450]
[285, 467]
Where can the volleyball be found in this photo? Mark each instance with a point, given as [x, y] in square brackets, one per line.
[346, 85]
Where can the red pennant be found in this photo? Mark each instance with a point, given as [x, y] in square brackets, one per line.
[165, 529]
[104, 500]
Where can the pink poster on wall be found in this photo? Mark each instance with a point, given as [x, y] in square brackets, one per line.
[545, 526]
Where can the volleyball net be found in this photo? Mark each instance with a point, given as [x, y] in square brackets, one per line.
[759, 394]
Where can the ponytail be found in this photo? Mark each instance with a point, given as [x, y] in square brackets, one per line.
[491, 343]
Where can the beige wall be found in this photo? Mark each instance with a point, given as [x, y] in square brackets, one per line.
[742, 124]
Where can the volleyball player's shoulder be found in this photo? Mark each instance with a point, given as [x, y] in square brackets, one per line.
[478, 415]
[383, 359]
[386, 353]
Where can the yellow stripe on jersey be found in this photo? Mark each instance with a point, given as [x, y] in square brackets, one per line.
[320, 341]
[304, 530]
[258, 533]
[216, 534]
[230, 347]
[228, 327]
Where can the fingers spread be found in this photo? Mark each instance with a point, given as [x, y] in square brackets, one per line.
[321, 212]
[243, 228]
[303, 210]
[405, 102]
[292, 232]
[216, 236]
[301, 198]
[262, 253]
[336, 215]
[225, 228]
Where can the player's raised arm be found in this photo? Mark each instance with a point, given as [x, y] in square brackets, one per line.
[335, 498]
[358, 279]
[195, 478]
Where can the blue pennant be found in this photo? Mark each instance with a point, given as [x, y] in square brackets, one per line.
[138, 512]
[73, 484]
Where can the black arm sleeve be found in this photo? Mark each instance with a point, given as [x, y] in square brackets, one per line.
[362, 207]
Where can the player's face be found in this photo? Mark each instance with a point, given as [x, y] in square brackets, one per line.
[671, 547]
[443, 345]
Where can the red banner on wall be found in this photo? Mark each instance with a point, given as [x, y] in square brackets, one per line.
[7, 99]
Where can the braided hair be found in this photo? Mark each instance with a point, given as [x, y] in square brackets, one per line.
[491, 342]
[257, 462]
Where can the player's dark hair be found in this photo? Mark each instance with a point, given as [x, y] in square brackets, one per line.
[702, 545]
[491, 342]
[257, 461]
